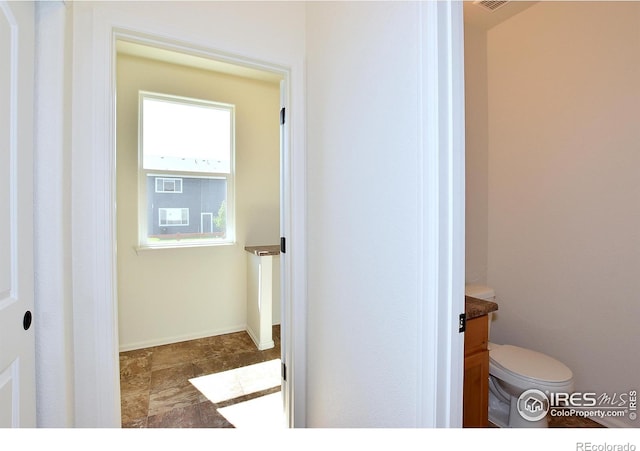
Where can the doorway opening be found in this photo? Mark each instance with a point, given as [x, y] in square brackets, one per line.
[186, 358]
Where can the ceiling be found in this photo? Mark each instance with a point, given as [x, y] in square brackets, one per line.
[482, 18]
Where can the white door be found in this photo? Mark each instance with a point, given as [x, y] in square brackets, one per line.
[17, 346]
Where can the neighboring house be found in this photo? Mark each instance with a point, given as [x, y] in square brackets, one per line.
[190, 206]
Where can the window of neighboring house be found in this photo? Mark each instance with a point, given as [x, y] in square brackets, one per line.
[168, 185]
[186, 160]
[173, 217]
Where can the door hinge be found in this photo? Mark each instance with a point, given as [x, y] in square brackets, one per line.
[283, 368]
[462, 323]
[282, 116]
[283, 245]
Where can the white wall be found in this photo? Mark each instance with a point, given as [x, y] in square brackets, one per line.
[263, 294]
[564, 191]
[170, 295]
[477, 163]
[362, 95]
[53, 313]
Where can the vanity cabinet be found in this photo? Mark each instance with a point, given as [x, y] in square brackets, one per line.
[475, 410]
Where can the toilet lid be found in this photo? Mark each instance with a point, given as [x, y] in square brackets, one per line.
[531, 364]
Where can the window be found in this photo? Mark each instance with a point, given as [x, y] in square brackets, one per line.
[173, 216]
[165, 185]
[186, 160]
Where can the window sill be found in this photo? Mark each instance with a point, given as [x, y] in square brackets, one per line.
[146, 248]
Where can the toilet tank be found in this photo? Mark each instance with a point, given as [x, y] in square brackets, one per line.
[480, 291]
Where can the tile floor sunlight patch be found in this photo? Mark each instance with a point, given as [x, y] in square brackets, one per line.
[264, 412]
[242, 381]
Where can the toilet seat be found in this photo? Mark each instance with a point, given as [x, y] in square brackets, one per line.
[530, 367]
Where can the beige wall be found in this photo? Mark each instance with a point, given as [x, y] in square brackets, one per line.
[476, 158]
[176, 294]
[564, 187]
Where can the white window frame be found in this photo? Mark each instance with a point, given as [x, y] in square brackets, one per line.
[182, 214]
[164, 180]
[143, 174]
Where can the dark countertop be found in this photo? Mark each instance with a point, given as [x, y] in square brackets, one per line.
[475, 307]
[263, 250]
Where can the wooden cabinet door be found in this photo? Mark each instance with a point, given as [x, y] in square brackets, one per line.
[475, 409]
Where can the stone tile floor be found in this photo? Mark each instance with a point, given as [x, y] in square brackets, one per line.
[572, 422]
[568, 422]
[158, 384]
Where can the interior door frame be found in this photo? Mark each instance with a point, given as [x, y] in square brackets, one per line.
[95, 345]
[94, 294]
[120, 34]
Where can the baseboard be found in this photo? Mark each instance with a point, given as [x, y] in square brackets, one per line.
[260, 346]
[178, 338]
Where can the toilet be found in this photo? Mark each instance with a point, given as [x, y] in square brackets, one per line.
[514, 370]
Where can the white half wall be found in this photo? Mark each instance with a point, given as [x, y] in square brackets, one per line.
[564, 191]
